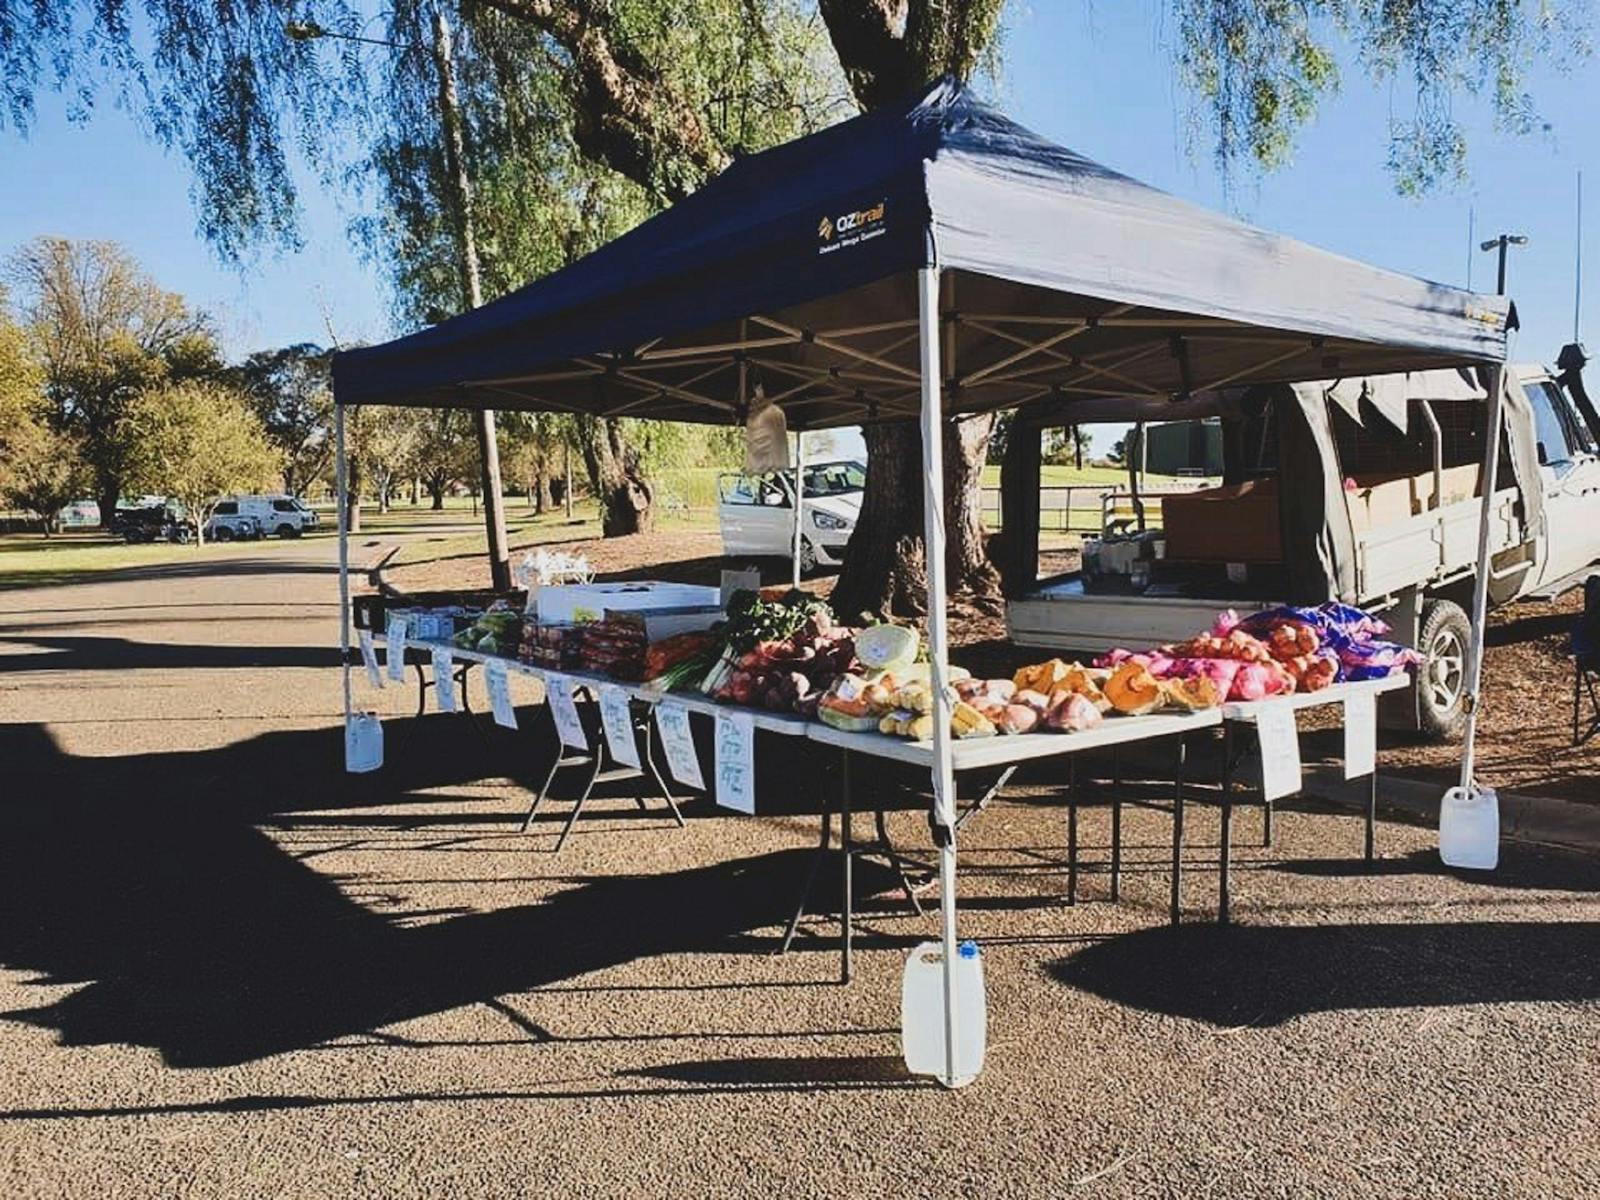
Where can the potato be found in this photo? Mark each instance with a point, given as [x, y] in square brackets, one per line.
[1017, 718]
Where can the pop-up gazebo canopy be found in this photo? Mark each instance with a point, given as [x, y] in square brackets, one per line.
[924, 262]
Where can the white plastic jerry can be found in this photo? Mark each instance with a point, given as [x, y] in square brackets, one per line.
[1469, 828]
[922, 1013]
[363, 743]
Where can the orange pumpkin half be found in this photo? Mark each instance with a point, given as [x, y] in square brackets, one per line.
[1133, 690]
[1193, 694]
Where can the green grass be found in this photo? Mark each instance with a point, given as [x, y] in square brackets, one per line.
[523, 530]
[33, 560]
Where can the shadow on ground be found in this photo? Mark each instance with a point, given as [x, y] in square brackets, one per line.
[1241, 975]
[150, 881]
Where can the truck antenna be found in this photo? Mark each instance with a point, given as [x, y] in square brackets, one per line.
[1577, 269]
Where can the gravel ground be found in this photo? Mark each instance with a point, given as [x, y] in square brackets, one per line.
[228, 969]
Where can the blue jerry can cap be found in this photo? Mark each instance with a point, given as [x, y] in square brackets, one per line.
[968, 949]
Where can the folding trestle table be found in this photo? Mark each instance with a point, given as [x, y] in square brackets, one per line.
[1243, 718]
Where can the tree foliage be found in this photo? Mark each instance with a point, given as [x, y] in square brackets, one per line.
[102, 332]
[1258, 69]
[197, 441]
[291, 393]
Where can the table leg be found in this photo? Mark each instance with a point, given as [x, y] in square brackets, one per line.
[1372, 814]
[1177, 829]
[1225, 853]
[1116, 824]
[1266, 814]
[817, 858]
[847, 907]
[1072, 830]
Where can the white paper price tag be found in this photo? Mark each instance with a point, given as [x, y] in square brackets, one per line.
[564, 711]
[617, 720]
[1280, 751]
[498, 682]
[736, 761]
[1360, 735]
[394, 648]
[677, 739]
[444, 679]
[369, 659]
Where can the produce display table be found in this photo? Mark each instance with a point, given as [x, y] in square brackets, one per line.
[1004, 753]
[1010, 752]
[1247, 716]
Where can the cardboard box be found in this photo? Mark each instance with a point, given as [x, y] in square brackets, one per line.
[1459, 483]
[569, 603]
[1380, 500]
[1237, 524]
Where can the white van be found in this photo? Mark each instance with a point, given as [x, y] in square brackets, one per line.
[278, 515]
[756, 513]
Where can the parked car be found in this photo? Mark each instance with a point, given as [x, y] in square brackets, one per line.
[279, 515]
[756, 512]
[80, 514]
[228, 524]
[1366, 491]
[158, 522]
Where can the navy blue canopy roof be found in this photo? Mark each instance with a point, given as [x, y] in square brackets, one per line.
[794, 271]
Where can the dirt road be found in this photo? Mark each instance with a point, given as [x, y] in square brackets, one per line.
[228, 969]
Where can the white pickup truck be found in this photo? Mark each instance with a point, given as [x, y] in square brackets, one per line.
[756, 513]
[1361, 490]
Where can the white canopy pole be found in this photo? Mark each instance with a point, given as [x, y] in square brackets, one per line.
[799, 497]
[339, 486]
[1480, 590]
[938, 647]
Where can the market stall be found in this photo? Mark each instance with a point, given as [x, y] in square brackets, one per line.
[924, 263]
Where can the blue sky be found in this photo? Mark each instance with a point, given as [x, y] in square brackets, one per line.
[1095, 76]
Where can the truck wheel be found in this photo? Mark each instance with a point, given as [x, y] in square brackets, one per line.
[1442, 678]
[223, 534]
[287, 531]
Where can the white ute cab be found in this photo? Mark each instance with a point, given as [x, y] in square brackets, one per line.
[756, 513]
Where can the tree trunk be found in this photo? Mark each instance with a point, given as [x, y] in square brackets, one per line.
[536, 495]
[109, 491]
[626, 498]
[416, 491]
[436, 490]
[884, 569]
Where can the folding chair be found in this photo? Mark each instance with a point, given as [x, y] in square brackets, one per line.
[1586, 664]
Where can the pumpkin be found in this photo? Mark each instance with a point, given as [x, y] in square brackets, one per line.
[1133, 690]
[1193, 693]
[1042, 677]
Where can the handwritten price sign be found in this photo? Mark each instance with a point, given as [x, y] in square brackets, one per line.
[369, 659]
[564, 711]
[736, 761]
[1280, 752]
[498, 681]
[394, 648]
[617, 720]
[677, 739]
[444, 680]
